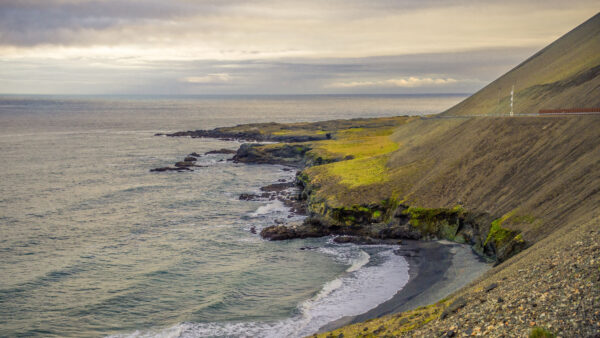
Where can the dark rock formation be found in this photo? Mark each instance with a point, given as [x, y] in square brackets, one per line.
[282, 232]
[277, 187]
[185, 164]
[220, 151]
[285, 154]
[249, 197]
[357, 240]
[161, 169]
[248, 135]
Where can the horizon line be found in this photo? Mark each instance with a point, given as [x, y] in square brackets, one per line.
[236, 95]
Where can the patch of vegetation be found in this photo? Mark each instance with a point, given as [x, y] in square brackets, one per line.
[300, 132]
[504, 242]
[356, 142]
[439, 222]
[499, 235]
[392, 325]
[359, 172]
[540, 332]
[419, 215]
[358, 214]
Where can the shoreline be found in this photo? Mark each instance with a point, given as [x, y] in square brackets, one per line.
[436, 270]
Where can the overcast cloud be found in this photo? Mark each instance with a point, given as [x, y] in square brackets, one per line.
[271, 47]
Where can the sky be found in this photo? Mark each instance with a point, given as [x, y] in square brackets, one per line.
[220, 47]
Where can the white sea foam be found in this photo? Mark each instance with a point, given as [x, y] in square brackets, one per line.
[363, 287]
[273, 208]
[359, 262]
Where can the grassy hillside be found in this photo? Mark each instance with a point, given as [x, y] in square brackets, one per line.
[538, 172]
[538, 177]
[563, 75]
[500, 183]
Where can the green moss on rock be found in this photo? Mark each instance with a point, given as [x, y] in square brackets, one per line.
[354, 215]
[503, 241]
[499, 235]
[540, 332]
[436, 222]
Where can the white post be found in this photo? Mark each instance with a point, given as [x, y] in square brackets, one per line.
[512, 94]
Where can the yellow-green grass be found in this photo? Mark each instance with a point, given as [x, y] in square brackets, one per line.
[358, 143]
[300, 132]
[352, 173]
[368, 149]
[391, 325]
[365, 151]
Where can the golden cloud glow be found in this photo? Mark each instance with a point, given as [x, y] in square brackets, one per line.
[409, 82]
[209, 78]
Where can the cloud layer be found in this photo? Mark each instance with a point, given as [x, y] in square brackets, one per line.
[259, 46]
[409, 82]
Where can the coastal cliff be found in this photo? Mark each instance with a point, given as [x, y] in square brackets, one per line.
[523, 191]
[520, 190]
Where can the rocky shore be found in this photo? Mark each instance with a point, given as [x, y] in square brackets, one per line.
[361, 186]
[366, 223]
[370, 223]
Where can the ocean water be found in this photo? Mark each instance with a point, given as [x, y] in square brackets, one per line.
[94, 244]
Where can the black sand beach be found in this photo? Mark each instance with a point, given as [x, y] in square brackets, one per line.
[437, 269]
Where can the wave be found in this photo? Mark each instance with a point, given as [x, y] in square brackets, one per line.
[359, 262]
[274, 207]
[365, 285]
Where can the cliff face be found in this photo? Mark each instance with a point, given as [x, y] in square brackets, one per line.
[521, 177]
[562, 75]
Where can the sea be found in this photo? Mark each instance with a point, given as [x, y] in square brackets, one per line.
[94, 244]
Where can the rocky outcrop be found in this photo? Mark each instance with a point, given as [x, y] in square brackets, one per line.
[187, 164]
[220, 151]
[381, 221]
[163, 169]
[403, 222]
[385, 220]
[247, 135]
[285, 154]
[283, 232]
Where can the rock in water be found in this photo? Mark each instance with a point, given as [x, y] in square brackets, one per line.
[161, 169]
[220, 151]
[183, 164]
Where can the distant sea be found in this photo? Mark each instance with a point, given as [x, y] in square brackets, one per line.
[94, 244]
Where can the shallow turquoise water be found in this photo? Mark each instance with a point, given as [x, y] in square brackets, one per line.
[94, 244]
